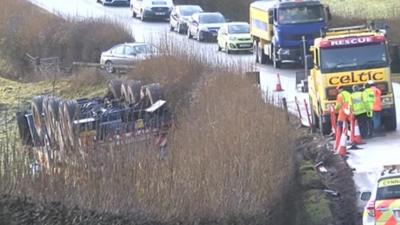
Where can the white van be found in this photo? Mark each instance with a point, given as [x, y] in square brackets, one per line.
[151, 9]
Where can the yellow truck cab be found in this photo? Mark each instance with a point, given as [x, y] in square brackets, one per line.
[345, 57]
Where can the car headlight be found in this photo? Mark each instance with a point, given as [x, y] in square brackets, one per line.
[284, 51]
[388, 100]
[232, 38]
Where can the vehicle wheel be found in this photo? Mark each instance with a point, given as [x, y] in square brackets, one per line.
[390, 121]
[23, 129]
[199, 39]
[277, 64]
[71, 111]
[63, 141]
[37, 111]
[219, 48]
[114, 86]
[110, 67]
[142, 17]
[150, 94]
[178, 28]
[171, 28]
[130, 91]
[314, 116]
[134, 15]
[324, 126]
[53, 114]
[50, 112]
[256, 52]
[189, 35]
[227, 50]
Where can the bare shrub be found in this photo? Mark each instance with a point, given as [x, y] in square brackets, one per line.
[229, 160]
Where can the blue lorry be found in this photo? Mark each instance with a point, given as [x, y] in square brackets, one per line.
[278, 28]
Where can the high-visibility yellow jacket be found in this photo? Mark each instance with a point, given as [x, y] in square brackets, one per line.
[358, 105]
[369, 99]
[343, 105]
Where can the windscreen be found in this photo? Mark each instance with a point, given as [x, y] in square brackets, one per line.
[142, 49]
[190, 10]
[212, 18]
[300, 14]
[388, 192]
[354, 58]
[239, 29]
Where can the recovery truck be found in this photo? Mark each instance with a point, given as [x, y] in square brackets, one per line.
[278, 28]
[345, 57]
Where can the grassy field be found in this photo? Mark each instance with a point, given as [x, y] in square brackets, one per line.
[365, 9]
[14, 94]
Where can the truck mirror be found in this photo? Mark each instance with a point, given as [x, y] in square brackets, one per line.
[275, 16]
[328, 13]
[309, 62]
[270, 16]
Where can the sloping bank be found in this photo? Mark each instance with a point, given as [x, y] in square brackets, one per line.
[324, 198]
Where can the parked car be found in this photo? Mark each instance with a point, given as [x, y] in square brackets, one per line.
[235, 36]
[180, 17]
[204, 26]
[126, 55]
[151, 9]
[114, 2]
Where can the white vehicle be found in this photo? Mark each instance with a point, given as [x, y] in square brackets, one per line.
[114, 2]
[383, 207]
[151, 9]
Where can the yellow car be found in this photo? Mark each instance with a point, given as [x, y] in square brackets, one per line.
[235, 36]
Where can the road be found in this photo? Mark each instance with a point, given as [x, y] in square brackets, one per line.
[376, 153]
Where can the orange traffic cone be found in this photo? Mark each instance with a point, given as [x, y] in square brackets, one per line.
[355, 137]
[342, 150]
[278, 87]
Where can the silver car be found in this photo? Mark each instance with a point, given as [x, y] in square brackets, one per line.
[126, 55]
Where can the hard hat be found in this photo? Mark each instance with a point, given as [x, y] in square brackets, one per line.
[370, 82]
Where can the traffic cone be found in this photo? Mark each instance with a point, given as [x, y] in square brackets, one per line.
[342, 151]
[278, 87]
[338, 136]
[355, 136]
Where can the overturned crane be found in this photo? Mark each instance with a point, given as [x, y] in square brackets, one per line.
[130, 111]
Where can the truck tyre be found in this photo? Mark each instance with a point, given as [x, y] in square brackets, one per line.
[150, 93]
[130, 91]
[255, 47]
[324, 127]
[277, 64]
[23, 129]
[71, 112]
[134, 15]
[189, 35]
[37, 111]
[390, 121]
[63, 142]
[52, 119]
[114, 86]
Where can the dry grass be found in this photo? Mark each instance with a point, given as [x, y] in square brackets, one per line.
[24, 28]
